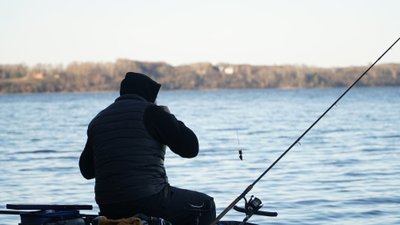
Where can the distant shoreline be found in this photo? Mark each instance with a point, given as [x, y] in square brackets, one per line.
[92, 77]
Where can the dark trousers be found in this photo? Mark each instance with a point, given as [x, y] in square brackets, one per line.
[178, 206]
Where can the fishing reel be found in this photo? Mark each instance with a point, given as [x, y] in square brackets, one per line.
[252, 207]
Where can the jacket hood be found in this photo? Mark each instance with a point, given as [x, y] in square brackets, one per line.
[140, 84]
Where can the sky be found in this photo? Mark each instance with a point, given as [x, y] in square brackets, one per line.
[321, 33]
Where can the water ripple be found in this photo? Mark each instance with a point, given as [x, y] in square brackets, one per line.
[345, 171]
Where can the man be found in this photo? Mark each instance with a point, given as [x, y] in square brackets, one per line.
[125, 152]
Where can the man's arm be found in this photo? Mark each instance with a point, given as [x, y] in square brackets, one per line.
[86, 164]
[168, 130]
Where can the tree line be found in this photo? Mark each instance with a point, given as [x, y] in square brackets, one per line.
[90, 76]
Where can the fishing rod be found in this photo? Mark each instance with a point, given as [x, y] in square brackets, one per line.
[248, 189]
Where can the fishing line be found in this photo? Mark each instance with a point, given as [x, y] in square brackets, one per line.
[248, 189]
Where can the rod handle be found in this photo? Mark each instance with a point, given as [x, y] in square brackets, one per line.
[261, 213]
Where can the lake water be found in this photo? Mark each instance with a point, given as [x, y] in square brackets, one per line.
[346, 170]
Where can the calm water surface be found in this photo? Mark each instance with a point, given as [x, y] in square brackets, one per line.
[345, 171]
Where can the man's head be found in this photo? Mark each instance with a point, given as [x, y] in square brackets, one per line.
[140, 84]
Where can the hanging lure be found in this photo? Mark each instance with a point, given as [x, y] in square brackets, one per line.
[240, 151]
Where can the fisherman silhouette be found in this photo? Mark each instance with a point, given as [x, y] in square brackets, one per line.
[124, 152]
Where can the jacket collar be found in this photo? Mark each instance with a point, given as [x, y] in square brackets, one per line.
[130, 97]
